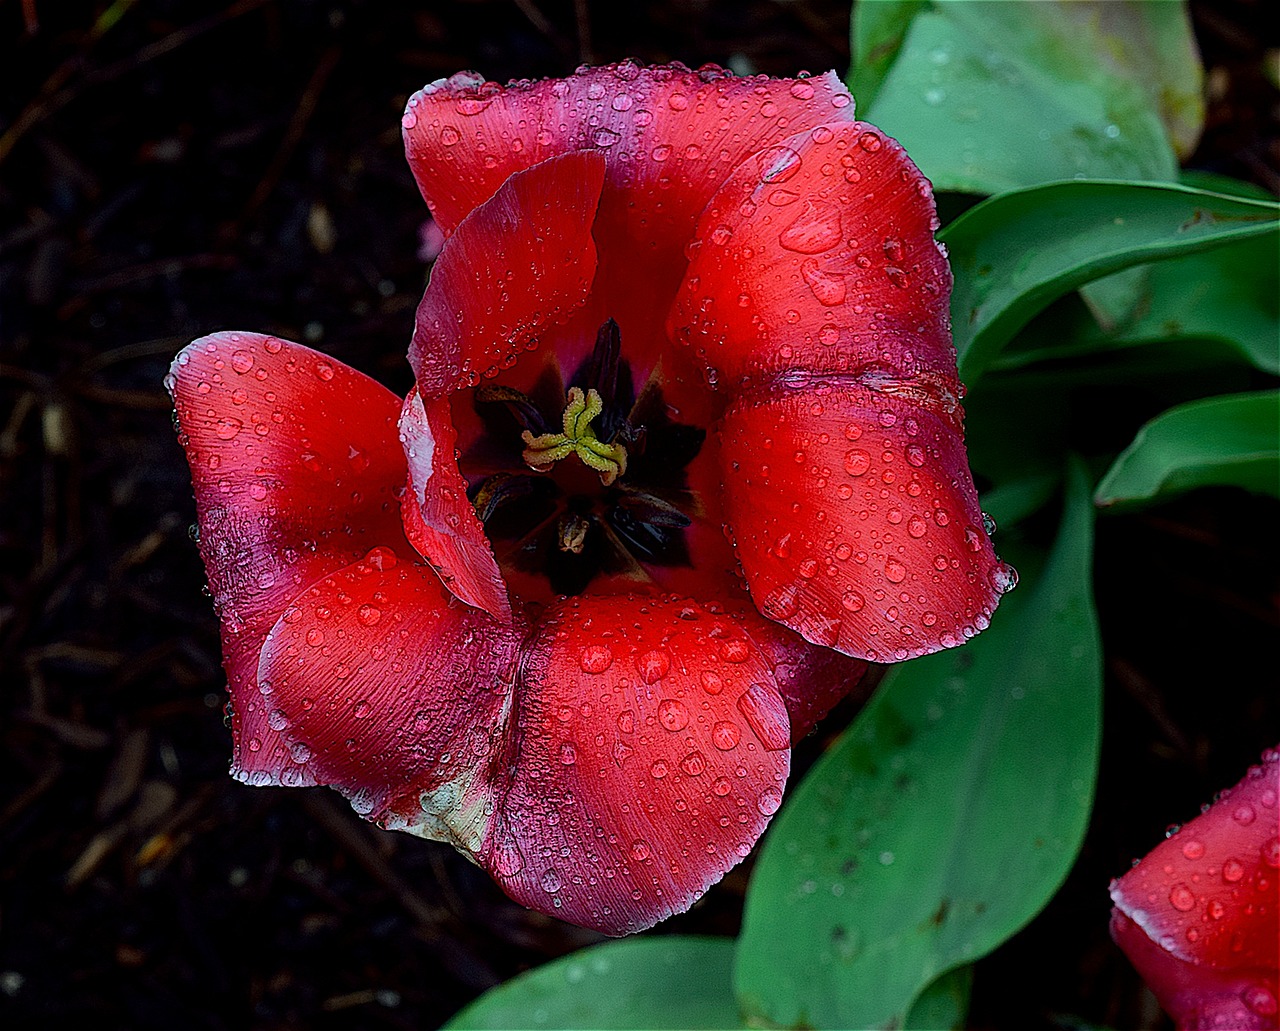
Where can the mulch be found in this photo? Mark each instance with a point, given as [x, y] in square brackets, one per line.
[170, 168]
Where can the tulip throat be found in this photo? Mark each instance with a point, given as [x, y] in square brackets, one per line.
[583, 475]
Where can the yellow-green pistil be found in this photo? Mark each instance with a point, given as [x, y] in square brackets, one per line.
[578, 438]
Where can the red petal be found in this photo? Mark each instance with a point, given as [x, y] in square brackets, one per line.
[856, 521]
[669, 136]
[522, 260]
[667, 133]
[438, 518]
[296, 467]
[820, 256]
[386, 690]
[653, 748]
[1200, 916]
[810, 679]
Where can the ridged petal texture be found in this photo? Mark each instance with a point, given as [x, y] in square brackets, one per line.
[1199, 916]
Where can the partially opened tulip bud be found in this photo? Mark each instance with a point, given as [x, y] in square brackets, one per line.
[684, 453]
[1200, 916]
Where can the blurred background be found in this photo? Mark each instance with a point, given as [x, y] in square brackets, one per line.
[173, 167]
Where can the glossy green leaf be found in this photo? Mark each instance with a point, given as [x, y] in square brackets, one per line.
[876, 34]
[943, 819]
[991, 96]
[661, 982]
[1015, 253]
[1218, 441]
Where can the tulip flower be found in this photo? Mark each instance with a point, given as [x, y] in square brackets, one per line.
[1199, 917]
[683, 455]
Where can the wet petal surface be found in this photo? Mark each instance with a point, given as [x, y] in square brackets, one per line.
[389, 690]
[819, 255]
[520, 262]
[856, 521]
[438, 518]
[296, 467]
[1199, 917]
[652, 750]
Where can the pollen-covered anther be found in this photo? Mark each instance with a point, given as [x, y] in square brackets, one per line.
[545, 450]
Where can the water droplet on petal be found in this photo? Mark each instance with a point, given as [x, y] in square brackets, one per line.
[653, 665]
[673, 714]
[769, 802]
[1232, 871]
[815, 230]
[1182, 898]
[725, 735]
[596, 658]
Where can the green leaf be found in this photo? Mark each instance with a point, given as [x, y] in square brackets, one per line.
[877, 32]
[943, 819]
[944, 1005]
[662, 982]
[1218, 441]
[1015, 253]
[991, 96]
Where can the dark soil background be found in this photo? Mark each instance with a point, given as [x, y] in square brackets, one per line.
[172, 167]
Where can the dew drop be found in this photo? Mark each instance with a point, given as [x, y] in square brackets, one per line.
[1182, 898]
[673, 714]
[817, 229]
[769, 802]
[368, 614]
[1232, 871]
[596, 658]
[227, 427]
[653, 665]
[725, 735]
[857, 462]
[639, 851]
[694, 764]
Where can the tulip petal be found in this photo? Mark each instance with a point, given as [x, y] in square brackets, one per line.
[296, 467]
[652, 751]
[856, 521]
[438, 518]
[394, 694]
[518, 263]
[819, 255]
[669, 134]
[670, 137]
[1199, 917]
[810, 679]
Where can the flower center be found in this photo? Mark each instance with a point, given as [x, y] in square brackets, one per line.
[578, 438]
[605, 494]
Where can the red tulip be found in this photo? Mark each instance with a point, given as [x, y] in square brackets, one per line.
[683, 325]
[1200, 916]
